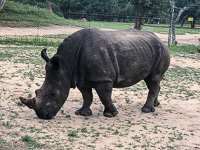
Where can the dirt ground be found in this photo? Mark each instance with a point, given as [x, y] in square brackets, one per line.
[174, 125]
[188, 39]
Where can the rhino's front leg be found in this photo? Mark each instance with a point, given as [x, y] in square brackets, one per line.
[104, 90]
[87, 101]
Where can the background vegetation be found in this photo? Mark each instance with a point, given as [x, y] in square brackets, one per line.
[109, 10]
[15, 14]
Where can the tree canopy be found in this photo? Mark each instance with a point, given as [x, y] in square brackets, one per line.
[141, 10]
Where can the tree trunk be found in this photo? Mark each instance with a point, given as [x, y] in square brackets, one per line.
[137, 24]
[181, 10]
[193, 24]
[2, 2]
[139, 20]
[183, 22]
[174, 42]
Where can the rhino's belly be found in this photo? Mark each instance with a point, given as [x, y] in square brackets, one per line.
[130, 78]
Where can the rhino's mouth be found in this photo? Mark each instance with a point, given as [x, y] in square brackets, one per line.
[45, 114]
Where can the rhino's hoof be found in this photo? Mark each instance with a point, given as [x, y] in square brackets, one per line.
[84, 112]
[148, 109]
[110, 114]
[156, 103]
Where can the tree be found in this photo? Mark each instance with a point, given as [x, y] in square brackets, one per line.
[2, 2]
[147, 8]
[194, 12]
[183, 7]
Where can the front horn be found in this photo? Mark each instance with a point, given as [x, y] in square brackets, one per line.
[28, 102]
[44, 55]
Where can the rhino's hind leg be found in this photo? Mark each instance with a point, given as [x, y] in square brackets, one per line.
[87, 101]
[104, 90]
[156, 102]
[152, 98]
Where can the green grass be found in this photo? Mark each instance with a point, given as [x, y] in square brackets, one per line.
[30, 141]
[39, 41]
[190, 49]
[161, 28]
[3, 143]
[15, 14]
[164, 29]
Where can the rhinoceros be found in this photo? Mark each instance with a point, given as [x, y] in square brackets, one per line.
[103, 60]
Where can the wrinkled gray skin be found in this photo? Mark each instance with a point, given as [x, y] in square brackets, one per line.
[102, 60]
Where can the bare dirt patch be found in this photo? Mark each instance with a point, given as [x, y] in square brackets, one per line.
[174, 125]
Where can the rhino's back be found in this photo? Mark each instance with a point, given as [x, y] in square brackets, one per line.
[123, 57]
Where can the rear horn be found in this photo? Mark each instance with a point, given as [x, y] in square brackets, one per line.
[44, 55]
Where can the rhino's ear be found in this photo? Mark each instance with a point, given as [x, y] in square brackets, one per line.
[44, 55]
[55, 61]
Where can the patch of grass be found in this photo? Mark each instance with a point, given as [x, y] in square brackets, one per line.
[186, 76]
[5, 55]
[116, 132]
[30, 141]
[7, 125]
[37, 41]
[19, 103]
[119, 145]
[15, 115]
[55, 37]
[3, 143]
[72, 133]
[185, 48]
[164, 29]
[84, 130]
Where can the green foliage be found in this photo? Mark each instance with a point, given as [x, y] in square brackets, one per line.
[122, 7]
[16, 14]
[193, 12]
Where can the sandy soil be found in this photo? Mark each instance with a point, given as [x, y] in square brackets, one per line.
[174, 125]
[188, 39]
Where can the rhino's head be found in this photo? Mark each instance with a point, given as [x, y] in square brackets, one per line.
[54, 91]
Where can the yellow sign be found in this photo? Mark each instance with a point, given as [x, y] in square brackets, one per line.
[190, 18]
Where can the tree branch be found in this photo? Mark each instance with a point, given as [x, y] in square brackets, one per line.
[181, 10]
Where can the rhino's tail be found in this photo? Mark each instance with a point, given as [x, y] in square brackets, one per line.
[164, 78]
